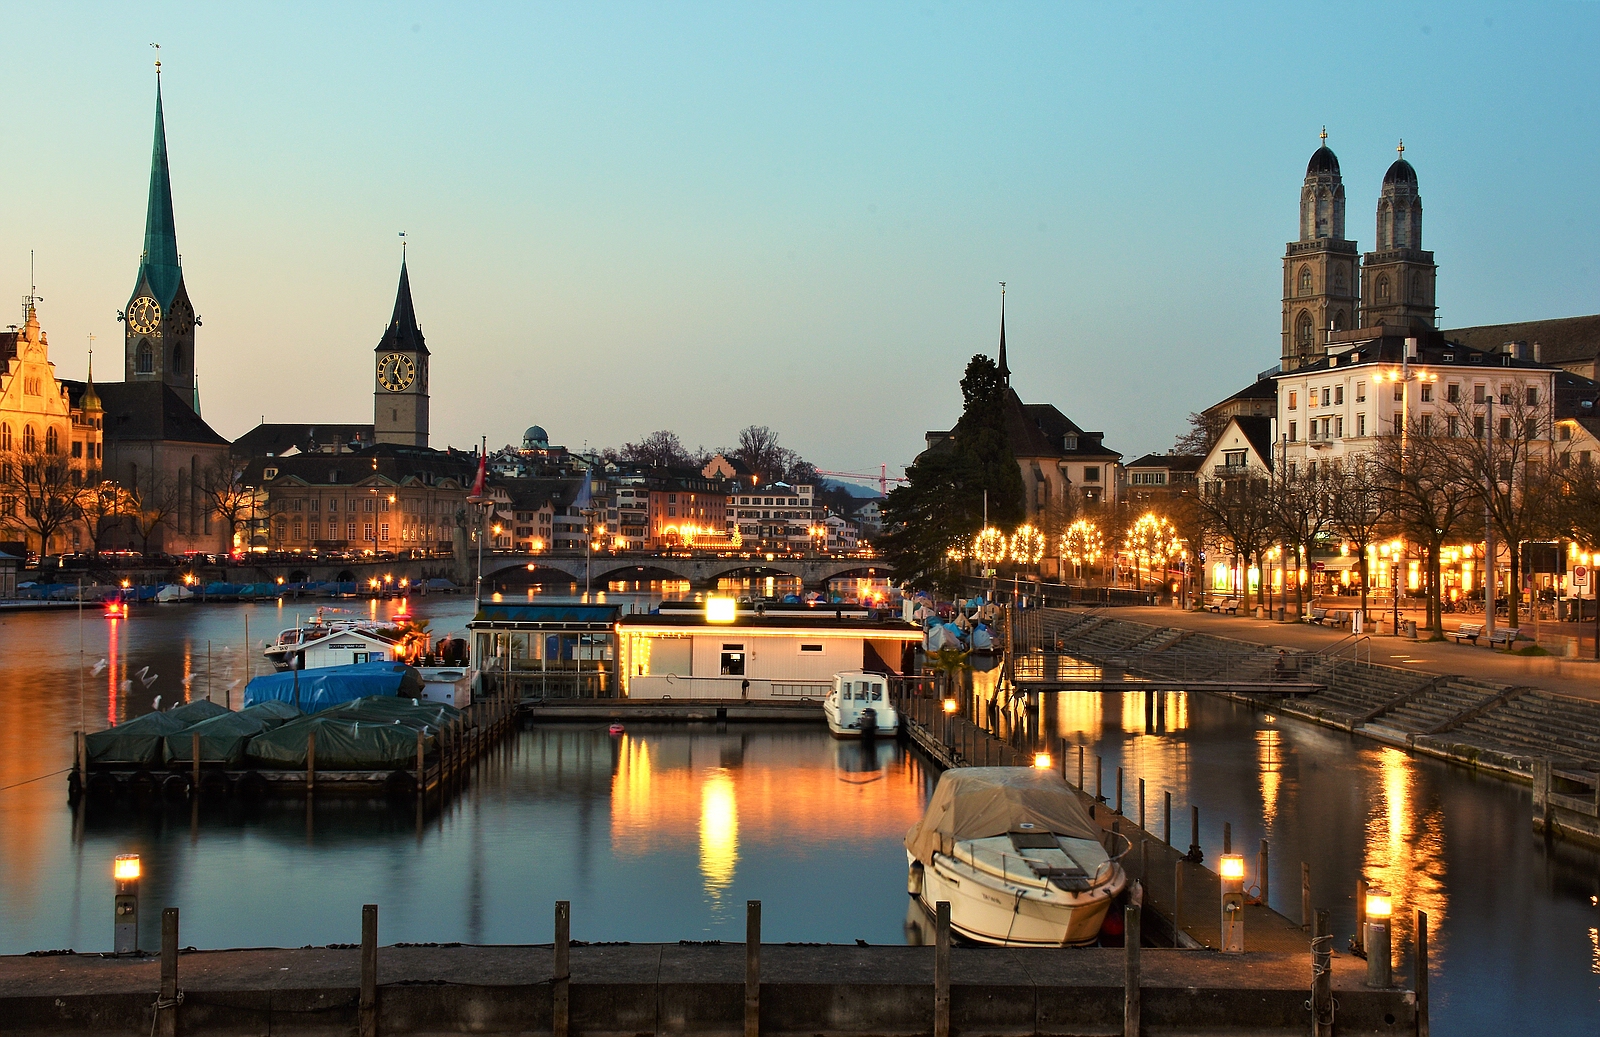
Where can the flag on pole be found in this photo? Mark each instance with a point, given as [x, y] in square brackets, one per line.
[585, 495]
[477, 484]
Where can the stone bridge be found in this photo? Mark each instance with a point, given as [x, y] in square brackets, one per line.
[702, 571]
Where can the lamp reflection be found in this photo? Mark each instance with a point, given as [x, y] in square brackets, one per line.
[719, 833]
[1405, 847]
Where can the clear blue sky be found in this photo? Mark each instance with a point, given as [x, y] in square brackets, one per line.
[698, 217]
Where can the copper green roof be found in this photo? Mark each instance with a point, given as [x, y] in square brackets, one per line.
[159, 263]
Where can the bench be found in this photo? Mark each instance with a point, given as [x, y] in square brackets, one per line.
[1506, 635]
[1318, 616]
[1226, 605]
[1467, 632]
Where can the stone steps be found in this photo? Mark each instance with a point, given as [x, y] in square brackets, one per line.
[1435, 709]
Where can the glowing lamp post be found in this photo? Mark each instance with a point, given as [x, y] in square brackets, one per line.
[1380, 971]
[1042, 761]
[1231, 866]
[125, 914]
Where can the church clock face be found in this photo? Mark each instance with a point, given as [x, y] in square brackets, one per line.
[396, 372]
[144, 316]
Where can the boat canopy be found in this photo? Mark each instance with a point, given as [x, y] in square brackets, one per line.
[323, 686]
[139, 741]
[367, 734]
[982, 802]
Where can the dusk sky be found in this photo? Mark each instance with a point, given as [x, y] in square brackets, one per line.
[699, 217]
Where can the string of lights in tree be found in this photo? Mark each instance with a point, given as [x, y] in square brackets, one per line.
[1027, 546]
[1152, 538]
[1082, 543]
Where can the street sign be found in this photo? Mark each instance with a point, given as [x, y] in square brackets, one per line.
[1580, 576]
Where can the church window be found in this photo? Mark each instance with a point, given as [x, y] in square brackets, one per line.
[52, 440]
[29, 440]
[1361, 392]
[145, 359]
[1383, 289]
[383, 531]
[1302, 330]
[298, 533]
[1305, 280]
[299, 505]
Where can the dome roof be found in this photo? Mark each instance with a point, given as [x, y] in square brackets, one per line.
[1400, 173]
[1323, 160]
[535, 436]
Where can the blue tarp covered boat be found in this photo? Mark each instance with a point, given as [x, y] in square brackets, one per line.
[318, 688]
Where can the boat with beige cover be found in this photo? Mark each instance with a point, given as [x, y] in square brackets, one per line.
[1016, 855]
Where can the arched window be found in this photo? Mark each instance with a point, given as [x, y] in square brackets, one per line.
[1305, 280]
[5, 435]
[1338, 320]
[177, 359]
[1383, 289]
[1302, 330]
[29, 442]
[1416, 288]
[145, 360]
[1338, 278]
[52, 440]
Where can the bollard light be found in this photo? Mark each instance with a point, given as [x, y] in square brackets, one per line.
[1380, 971]
[125, 911]
[1231, 868]
[1042, 761]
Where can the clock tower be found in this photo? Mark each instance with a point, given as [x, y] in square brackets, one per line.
[400, 396]
[159, 322]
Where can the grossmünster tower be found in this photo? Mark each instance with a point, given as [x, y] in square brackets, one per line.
[400, 393]
[159, 322]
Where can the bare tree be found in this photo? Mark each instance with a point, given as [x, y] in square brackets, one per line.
[224, 491]
[1576, 500]
[1432, 503]
[1361, 511]
[41, 490]
[153, 504]
[1239, 512]
[661, 449]
[758, 448]
[101, 507]
[1202, 434]
[1301, 511]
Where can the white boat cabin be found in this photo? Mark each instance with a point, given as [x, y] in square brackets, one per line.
[340, 648]
[858, 702]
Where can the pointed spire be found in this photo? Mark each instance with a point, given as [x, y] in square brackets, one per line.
[91, 399]
[159, 264]
[402, 333]
[1005, 370]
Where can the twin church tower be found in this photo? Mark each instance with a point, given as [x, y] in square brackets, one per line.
[1329, 288]
[159, 322]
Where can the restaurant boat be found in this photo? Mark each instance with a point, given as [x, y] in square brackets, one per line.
[1016, 855]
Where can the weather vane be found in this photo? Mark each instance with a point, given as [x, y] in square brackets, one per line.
[157, 46]
[402, 244]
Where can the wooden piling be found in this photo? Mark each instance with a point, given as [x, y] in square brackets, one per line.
[1359, 944]
[941, 969]
[369, 971]
[311, 760]
[1119, 791]
[1195, 853]
[1166, 812]
[561, 978]
[1130, 962]
[169, 1000]
[1322, 978]
[752, 968]
[1421, 982]
[1262, 866]
[1099, 774]
[1141, 804]
[1080, 768]
[1177, 903]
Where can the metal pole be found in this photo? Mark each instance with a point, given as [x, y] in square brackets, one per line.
[167, 1005]
[1177, 903]
[1166, 813]
[1130, 963]
[369, 971]
[1195, 853]
[1099, 773]
[562, 977]
[1119, 791]
[1488, 522]
[1080, 768]
[1141, 804]
[1227, 837]
[1421, 982]
[941, 969]
[1263, 869]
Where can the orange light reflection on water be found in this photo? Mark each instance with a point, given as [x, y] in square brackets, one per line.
[1405, 848]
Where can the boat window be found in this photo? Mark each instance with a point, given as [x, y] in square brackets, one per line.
[861, 691]
[733, 660]
[877, 693]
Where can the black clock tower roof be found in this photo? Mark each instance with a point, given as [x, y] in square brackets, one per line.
[402, 335]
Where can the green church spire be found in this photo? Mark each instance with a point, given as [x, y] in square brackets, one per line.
[159, 264]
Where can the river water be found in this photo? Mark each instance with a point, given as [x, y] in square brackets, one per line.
[664, 832]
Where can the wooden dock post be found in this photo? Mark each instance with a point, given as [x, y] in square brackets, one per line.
[1141, 803]
[1195, 853]
[369, 971]
[1099, 775]
[1177, 903]
[1119, 791]
[1130, 962]
[1421, 982]
[561, 980]
[941, 969]
[311, 760]
[169, 1000]
[1305, 895]
[1262, 866]
[1166, 811]
[1322, 978]
[1080, 768]
[1359, 944]
[752, 968]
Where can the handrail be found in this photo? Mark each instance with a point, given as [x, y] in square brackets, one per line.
[1328, 654]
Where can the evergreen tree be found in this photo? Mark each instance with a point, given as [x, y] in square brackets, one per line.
[941, 503]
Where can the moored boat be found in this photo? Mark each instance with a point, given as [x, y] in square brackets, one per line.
[1018, 858]
[858, 706]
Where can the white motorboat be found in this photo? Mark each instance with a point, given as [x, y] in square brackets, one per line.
[293, 643]
[858, 706]
[1017, 857]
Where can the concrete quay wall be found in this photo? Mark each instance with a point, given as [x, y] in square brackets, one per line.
[687, 989]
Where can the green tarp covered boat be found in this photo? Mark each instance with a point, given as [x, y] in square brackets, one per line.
[139, 741]
[377, 733]
[223, 738]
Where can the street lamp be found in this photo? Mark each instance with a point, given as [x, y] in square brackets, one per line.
[1231, 868]
[125, 917]
[1379, 968]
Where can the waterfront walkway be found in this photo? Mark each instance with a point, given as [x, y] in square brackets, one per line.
[1579, 678]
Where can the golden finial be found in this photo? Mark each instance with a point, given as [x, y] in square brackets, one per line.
[157, 46]
[1324, 136]
[1402, 149]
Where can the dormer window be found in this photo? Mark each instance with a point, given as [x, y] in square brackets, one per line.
[1069, 442]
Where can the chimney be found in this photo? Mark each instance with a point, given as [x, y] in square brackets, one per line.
[1538, 353]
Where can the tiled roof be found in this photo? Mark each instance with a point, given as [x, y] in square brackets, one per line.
[151, 411]
[1561, 340]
